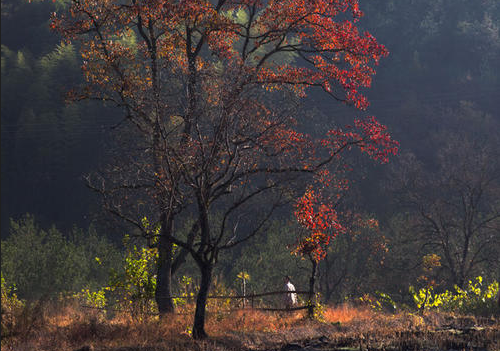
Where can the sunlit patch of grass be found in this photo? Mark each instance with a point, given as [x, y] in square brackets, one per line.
[347, 313]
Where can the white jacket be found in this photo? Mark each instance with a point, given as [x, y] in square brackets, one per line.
[290, 299]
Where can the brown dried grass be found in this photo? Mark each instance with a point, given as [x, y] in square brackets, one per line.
[68, 326]
[251, 321]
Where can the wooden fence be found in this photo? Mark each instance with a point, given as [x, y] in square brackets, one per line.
[244, 298]
[252, 297]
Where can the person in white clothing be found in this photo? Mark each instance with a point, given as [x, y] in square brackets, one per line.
[290, 299]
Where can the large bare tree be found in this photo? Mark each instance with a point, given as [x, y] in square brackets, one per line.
[454, 209]
[210, 87]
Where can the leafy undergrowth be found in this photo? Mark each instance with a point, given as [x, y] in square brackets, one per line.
[68, 326]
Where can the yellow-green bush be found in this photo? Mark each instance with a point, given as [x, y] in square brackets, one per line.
[11, 307]
[135, 286]
[475, 298]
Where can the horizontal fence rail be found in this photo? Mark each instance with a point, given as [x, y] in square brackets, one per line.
[250, 297]
[291, 309]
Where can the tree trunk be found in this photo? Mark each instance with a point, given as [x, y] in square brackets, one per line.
[327, 289]
[163, 294]
[201, 302]
[312, 282]
[463, 262]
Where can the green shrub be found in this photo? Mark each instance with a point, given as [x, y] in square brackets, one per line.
[46, 262]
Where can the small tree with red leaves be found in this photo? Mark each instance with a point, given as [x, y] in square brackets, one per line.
[316, 210]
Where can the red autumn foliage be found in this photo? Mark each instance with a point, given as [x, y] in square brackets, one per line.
[316, 210]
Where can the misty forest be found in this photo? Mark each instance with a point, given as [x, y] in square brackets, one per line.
[171, 170]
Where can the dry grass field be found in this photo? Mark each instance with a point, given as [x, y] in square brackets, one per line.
[68, 326]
